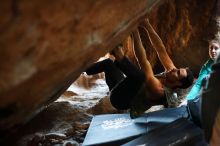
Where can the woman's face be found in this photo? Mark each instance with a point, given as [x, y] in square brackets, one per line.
[214, 50]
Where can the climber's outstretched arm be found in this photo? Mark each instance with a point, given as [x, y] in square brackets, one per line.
[158, 45]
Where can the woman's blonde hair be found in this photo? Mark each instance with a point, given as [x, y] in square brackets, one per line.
[215, 40]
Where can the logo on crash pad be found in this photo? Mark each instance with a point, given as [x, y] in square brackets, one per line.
[116, 123]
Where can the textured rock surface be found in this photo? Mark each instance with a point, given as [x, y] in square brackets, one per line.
[67, 119]
[185, 26]
[46, 44]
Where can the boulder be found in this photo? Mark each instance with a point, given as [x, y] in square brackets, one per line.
[46, 44]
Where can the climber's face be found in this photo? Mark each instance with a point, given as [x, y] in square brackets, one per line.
[175, 76]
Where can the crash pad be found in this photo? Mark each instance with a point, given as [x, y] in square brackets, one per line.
[180, 132]
[117, 129]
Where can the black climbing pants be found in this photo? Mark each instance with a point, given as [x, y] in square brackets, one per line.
[123, 78]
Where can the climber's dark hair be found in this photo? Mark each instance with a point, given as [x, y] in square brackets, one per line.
[188, 80]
